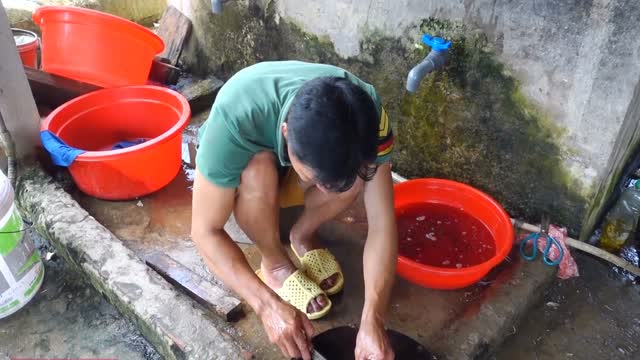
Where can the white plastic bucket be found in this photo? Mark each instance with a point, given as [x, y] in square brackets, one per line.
[21, 269]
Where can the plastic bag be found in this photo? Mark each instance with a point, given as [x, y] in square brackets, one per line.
[567, 267]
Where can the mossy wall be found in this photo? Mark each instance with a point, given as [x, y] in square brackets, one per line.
[473, 124]
[144, 12]
[469, 123]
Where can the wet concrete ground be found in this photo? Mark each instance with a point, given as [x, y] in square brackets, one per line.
[161, 221]
[594, 316]
[69, 319]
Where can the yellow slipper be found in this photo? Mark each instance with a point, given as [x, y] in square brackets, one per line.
[319, 265]
[298, 290]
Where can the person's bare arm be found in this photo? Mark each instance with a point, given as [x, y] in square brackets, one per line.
[379, 263]
[212, 206]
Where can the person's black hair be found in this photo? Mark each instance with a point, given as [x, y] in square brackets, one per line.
[332, 128]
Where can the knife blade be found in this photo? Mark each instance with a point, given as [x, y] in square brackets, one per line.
[315, 355]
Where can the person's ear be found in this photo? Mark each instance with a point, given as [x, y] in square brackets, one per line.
[322, 189]
[284, 130]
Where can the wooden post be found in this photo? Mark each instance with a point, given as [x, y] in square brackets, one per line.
[16, 102]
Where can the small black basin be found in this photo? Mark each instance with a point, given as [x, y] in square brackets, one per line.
[339, 344]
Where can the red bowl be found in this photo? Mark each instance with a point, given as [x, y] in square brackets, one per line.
[473, 202]
[95, 47]
[96, 121]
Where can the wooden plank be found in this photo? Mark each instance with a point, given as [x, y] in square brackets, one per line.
[174, 30]
[200, 93]
[204, 292]
[54, 90]
[163, 73]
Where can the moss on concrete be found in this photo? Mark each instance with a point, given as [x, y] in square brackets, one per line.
[144, 12]
[226, 43]
[470, 123]
[21, 19]
[473, 124]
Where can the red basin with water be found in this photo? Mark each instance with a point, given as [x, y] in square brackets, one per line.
[473, 203]
[99, 120]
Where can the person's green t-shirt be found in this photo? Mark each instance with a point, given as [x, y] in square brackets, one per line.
[248, 112]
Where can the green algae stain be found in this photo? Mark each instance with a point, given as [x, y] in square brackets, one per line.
[472, 123]
[228, 42]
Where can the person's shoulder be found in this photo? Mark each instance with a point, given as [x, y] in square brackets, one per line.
[284, 68]
[297, 69]
[247, 88]
[283, 72]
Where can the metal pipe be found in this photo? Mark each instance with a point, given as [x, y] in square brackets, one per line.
[9, 148]
[436, 60]
[216, 6]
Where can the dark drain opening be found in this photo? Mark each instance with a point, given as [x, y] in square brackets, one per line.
[339, 344]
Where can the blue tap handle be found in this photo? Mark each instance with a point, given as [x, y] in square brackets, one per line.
[436, 43]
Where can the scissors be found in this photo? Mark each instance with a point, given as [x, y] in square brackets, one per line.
[535, 237]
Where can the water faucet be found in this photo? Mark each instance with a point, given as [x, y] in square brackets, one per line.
[436, 60]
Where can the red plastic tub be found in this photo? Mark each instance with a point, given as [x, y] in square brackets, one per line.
[473, 202]
[97, 121]
[95, 47]
[27, 44]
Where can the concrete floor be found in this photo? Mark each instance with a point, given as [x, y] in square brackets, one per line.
[597, 316]
[69, 319]
[594, 316]
[161, 221]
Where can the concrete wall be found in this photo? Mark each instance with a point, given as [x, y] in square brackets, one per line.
[542, 123]
[577, 59]
[622, 162]
[569, 68]
[16, 102]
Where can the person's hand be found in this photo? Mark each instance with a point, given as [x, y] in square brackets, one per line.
[288, 328]
[372, 342]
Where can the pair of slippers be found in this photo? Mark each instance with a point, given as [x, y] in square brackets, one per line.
[302, 286]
